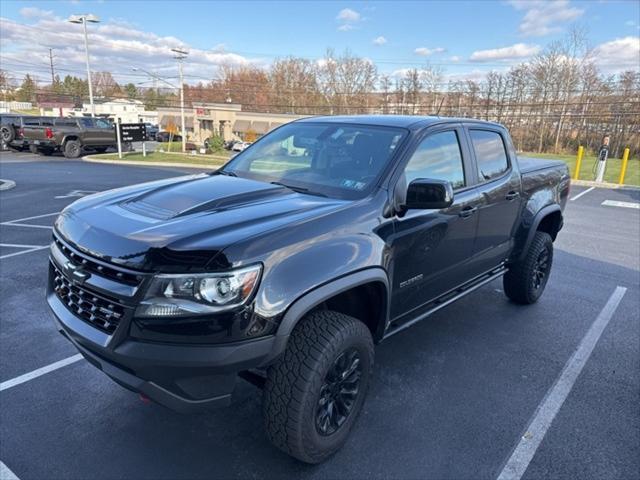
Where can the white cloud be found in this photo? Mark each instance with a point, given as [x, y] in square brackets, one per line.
[114, 47]
[630, 23]
[33, 12]
[348, 15]
[348, 19]
[346, 27]
[454, 58]
[514, 52]
[425, 52]
[543, 17]
[619, 54]
[379, 40]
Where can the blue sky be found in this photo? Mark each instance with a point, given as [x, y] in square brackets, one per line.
[463, 38]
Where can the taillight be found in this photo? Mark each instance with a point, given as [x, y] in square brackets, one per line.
[21, 132]
[48, 132]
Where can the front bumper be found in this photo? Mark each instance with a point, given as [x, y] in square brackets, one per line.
[185, 378]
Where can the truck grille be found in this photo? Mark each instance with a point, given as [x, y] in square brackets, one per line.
[100, 311]
[128, 278]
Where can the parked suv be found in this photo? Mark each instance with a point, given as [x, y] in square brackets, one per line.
[284, 267]
[71, 136]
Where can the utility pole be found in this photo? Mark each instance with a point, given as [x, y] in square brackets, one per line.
[83, 19]
[180, 56]
[53, 76]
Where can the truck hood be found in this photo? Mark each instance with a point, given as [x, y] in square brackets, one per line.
[183, 223]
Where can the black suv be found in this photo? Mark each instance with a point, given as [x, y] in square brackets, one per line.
[284, 267]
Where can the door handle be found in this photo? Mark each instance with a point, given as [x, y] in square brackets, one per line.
[467, 211]
[512, 195]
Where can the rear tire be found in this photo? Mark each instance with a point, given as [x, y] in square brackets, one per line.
[7, 134]
[526, 279]
[315, 390]
[72, 149]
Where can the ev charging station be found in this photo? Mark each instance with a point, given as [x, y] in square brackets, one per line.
[601, 162]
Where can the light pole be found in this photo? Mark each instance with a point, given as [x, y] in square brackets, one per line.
[180, 56]
[83, 19]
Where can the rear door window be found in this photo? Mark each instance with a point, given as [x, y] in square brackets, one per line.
[491, 155]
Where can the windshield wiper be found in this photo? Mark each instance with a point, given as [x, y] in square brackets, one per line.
[227, 173]
[298, 189]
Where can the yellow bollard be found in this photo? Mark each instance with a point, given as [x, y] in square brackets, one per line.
[576, 174]
[623, 170]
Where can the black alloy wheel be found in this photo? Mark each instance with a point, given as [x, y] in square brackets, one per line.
[541, 269]
[339, 392]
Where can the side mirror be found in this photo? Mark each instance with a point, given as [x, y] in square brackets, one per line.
[426, 193]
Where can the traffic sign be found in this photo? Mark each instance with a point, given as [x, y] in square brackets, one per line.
[133, 132]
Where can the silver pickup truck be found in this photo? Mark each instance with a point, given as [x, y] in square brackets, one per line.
[71, 136]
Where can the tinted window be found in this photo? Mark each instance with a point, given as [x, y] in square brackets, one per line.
[490, 153]
[437, 157]
[331, 159]
[66, 122]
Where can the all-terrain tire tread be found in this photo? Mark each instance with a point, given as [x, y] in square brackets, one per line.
[289, 378]
[517, 280]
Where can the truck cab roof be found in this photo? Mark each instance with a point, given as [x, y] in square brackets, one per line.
[411, 122]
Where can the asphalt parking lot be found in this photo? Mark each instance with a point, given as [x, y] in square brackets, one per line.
[452, 397]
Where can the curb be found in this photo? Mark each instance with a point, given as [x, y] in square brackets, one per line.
[92, 159]
[589, 183]
[6, 184]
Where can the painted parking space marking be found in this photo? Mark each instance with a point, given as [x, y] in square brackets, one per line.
[77, 194]
[39, 372]
[576, 197]
[26, 249]
[616, 203]
[19, 222]
[6, 473]
[524, 452]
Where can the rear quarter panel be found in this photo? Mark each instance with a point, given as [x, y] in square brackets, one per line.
[543, 189]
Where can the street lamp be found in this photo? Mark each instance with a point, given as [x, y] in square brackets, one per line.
[83, 19]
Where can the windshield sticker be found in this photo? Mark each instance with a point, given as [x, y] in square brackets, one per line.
[353, 184]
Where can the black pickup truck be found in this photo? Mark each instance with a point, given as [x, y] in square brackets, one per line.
[287, 265]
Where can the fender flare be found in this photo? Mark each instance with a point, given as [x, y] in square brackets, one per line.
[66, 138]
[305, 303]
[542, 213]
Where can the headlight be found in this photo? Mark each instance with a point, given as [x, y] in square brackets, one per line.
[201, 294]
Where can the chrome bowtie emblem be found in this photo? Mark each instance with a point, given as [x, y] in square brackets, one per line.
[77, 275]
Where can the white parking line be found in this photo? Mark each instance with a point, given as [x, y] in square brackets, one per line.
[29, 249]
[581, 194]
[13, 224]
[555, 397]
[6, 474]
[31, 218]
[615, 203]
[39, 372]
[18, 222]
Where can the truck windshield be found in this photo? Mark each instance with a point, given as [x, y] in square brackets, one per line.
[329, 159]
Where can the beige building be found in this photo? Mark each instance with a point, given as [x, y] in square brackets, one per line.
[225, 119]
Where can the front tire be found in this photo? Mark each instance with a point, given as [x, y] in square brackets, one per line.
[315, 390]
[526, 279]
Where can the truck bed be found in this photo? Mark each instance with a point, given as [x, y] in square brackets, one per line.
[529, 164]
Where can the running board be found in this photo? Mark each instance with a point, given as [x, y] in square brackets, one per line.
[447, 299]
